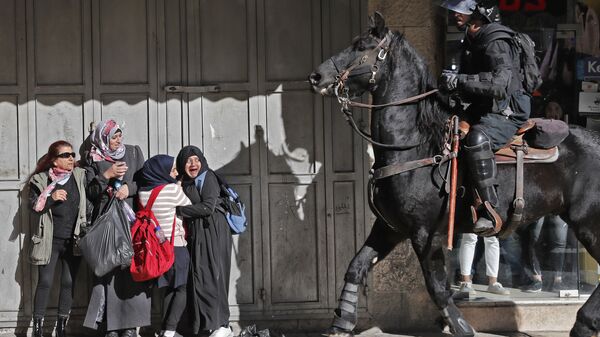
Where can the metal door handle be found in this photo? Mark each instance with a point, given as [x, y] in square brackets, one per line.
[192, 89]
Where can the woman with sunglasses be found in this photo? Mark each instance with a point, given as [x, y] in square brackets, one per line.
[117, 302]
[57, 192]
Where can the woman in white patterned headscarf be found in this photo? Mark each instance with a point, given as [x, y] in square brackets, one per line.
[111, 167]
[107, 142]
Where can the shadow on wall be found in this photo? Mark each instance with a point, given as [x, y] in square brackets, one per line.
[20, 235]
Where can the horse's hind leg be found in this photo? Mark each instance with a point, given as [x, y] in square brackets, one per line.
[588, 316]
[380, 242]
[430, 252]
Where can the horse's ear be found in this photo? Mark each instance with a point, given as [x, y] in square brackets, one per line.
[377, 25]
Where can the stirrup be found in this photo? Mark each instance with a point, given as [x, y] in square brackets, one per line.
[495, 220]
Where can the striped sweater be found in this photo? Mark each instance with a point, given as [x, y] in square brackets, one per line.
[169, 197]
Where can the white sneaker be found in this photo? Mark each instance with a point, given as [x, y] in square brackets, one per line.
[498, 289]
[222, 332]
[467, 287]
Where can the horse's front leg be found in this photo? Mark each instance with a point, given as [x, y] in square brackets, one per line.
[430, 252]
[379, 244]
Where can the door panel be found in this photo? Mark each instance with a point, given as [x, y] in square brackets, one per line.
[9, 138]
[244, 267]
[291, 132]
[226, 131]
[58, 42]
[8, 42]
[59, 117]
[10, 293]
[342, 139]
[288, 39]
[123, 42]
[294, 243]
[224, 57]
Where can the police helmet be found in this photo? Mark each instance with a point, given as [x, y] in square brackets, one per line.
[466, 7]
[488, 12]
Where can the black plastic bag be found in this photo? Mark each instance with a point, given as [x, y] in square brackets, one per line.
[107, 244]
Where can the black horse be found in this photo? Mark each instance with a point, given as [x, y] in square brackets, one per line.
[412, 206]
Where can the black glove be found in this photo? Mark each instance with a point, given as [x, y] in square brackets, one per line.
[448, 81]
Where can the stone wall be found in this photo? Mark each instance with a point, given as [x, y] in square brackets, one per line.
[398, 300]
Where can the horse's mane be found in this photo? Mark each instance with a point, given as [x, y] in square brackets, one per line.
[432, 115]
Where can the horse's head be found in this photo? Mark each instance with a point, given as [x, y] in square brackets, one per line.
[355, 68]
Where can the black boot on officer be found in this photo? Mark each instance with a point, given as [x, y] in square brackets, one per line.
[482, 169]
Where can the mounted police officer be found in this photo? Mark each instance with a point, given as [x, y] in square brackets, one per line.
[489, 79]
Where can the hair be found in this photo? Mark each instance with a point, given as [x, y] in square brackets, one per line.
[432, 116]
[46, 162]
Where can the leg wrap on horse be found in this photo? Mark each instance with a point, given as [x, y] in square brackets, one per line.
[345, 315]
[483, 171]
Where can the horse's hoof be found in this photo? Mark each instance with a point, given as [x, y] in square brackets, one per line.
[459, 327]
[337, 332]
[582, 330]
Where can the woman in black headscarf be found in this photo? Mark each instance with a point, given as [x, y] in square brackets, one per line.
[209, 243]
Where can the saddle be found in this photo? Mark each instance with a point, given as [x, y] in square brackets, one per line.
[508, 154]
[518, 152]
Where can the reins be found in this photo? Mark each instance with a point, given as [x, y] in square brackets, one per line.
[449, 152]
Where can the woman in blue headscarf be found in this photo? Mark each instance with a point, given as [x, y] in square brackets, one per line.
[160, 171]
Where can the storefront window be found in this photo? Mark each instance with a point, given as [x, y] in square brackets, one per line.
[541, 260]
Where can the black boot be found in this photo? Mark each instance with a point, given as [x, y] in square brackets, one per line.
[482, 169]
[38, 327]
[61, 325]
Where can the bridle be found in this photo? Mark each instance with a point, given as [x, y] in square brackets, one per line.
[378, 54]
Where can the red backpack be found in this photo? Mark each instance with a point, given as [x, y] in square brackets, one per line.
[150, 258]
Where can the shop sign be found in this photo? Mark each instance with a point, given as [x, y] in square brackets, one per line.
[589, 102]
[526, 5]
[588, 68]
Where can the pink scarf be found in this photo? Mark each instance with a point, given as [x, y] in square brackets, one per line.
[57, 176]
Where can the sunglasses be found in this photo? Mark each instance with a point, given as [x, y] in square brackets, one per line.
[66, 155]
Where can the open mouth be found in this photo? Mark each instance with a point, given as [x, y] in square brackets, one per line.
[194, 170]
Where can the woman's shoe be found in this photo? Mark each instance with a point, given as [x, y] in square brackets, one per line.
[38, 327]
[61, 325]
[222, 332]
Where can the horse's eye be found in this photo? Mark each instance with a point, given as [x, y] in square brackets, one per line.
[361, 48]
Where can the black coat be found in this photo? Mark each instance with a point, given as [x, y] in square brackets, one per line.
[209, 242]
[490, 81]
[127, 302]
